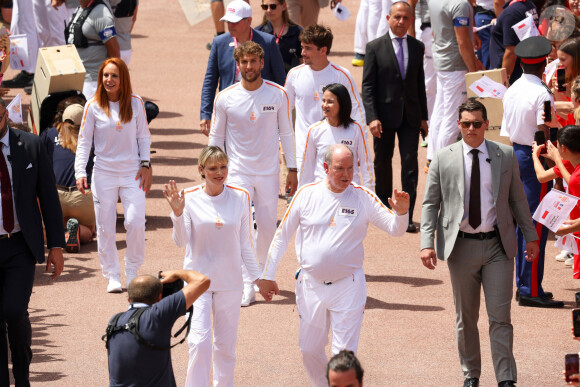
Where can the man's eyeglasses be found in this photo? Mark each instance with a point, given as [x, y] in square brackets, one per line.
[272, 6]
[467, 124]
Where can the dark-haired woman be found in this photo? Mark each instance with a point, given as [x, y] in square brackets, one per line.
[277, 22]
[337, 127]
[115, 120]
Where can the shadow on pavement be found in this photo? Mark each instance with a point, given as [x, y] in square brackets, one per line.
[174, 160]
[72, 272]
[171, 132]
[288, 298]
[160, 179]
[164, 114]
[176, 145]
[41, 347]
[413, 281]
[373, 303]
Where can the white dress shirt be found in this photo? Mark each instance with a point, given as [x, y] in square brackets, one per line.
[4, 143]
[397, 48]
[488, 214]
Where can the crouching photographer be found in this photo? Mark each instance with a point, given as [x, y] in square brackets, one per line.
[138, 340]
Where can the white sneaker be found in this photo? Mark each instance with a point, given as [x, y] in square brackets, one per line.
[562, 256]
[114, 285]
[569, 261]
[248, 296]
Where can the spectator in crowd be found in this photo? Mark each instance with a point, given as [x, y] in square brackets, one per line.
[214, 221]
[476, 236]
[400, 109]
[523, 105]
[4, 59]
[485, 13]
[122, 168]
[28, 200]
[569, 57]
[125, 13]
[504, 39]
[331, 285]
[453, 54]
[251, 119]
[133, 363]
[217, 13]
[304, 84]
[305, 12]
[92, 31]
[336, 128]
[221, 66]
[344, 370]
[277, 22]
[61, 143]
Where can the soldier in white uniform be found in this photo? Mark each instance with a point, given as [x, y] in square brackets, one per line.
[332, 218]
[250, 118]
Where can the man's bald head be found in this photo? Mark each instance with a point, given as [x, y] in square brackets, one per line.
[145, 289]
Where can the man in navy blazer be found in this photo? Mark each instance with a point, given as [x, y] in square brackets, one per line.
[221, 66]
[34, 200]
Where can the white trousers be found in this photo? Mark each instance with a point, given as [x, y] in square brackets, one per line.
[106, 189]
[451, 93]
[23, 23]
[126, 56]
[426, 36]
[224, 307]
[339, 306]
[50, 23]
[367, 24]
[264, 194]
[89, 89]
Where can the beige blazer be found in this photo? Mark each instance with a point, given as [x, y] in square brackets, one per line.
[443, 205]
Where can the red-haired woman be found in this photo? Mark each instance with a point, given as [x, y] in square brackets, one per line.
[114, 120]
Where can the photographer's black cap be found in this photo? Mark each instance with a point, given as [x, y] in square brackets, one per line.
[534, 49]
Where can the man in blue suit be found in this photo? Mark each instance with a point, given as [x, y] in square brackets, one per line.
[29, 199]
[221, 66]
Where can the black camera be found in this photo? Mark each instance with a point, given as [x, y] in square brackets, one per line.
[171, 287]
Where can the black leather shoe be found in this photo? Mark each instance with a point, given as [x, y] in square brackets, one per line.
[23, 79]
[507, 383]
[546, 295]
[540, 302]
[411, 228]
[471, 382]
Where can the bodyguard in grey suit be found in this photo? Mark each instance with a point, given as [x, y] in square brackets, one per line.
[472, 197]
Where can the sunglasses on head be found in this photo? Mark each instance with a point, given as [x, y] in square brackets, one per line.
[467, 124]
[272, 6]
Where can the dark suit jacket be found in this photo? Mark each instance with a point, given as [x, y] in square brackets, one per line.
[221, 67]
[385, 93]
[34, 186]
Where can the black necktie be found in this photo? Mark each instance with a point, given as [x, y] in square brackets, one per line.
[6, 193]
[475, 192]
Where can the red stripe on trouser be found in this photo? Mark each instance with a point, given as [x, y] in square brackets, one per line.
[539, 226]
[577, 261]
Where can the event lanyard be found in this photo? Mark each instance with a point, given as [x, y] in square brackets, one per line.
[236, 40]
[280, 35]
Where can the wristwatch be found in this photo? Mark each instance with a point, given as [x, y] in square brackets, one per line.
[292, 170]
[146, 164]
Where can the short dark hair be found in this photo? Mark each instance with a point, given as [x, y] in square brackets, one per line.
[533, 68]
[145, 289]
[569, 136]
[344, 361]
[319, 35]
[472, 105]
[344, 102]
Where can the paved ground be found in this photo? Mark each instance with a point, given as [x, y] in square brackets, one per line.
[408, 335]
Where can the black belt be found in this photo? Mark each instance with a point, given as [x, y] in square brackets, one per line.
[480, 235]
[9, 235]
[425, 25]
[66, 189]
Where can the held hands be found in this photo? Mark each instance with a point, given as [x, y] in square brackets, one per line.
[175, 198]
[146, 176]
[82, 184]
[400, 202]
[291, 183]
[267, 289]
[429, 258]
[532, 251]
